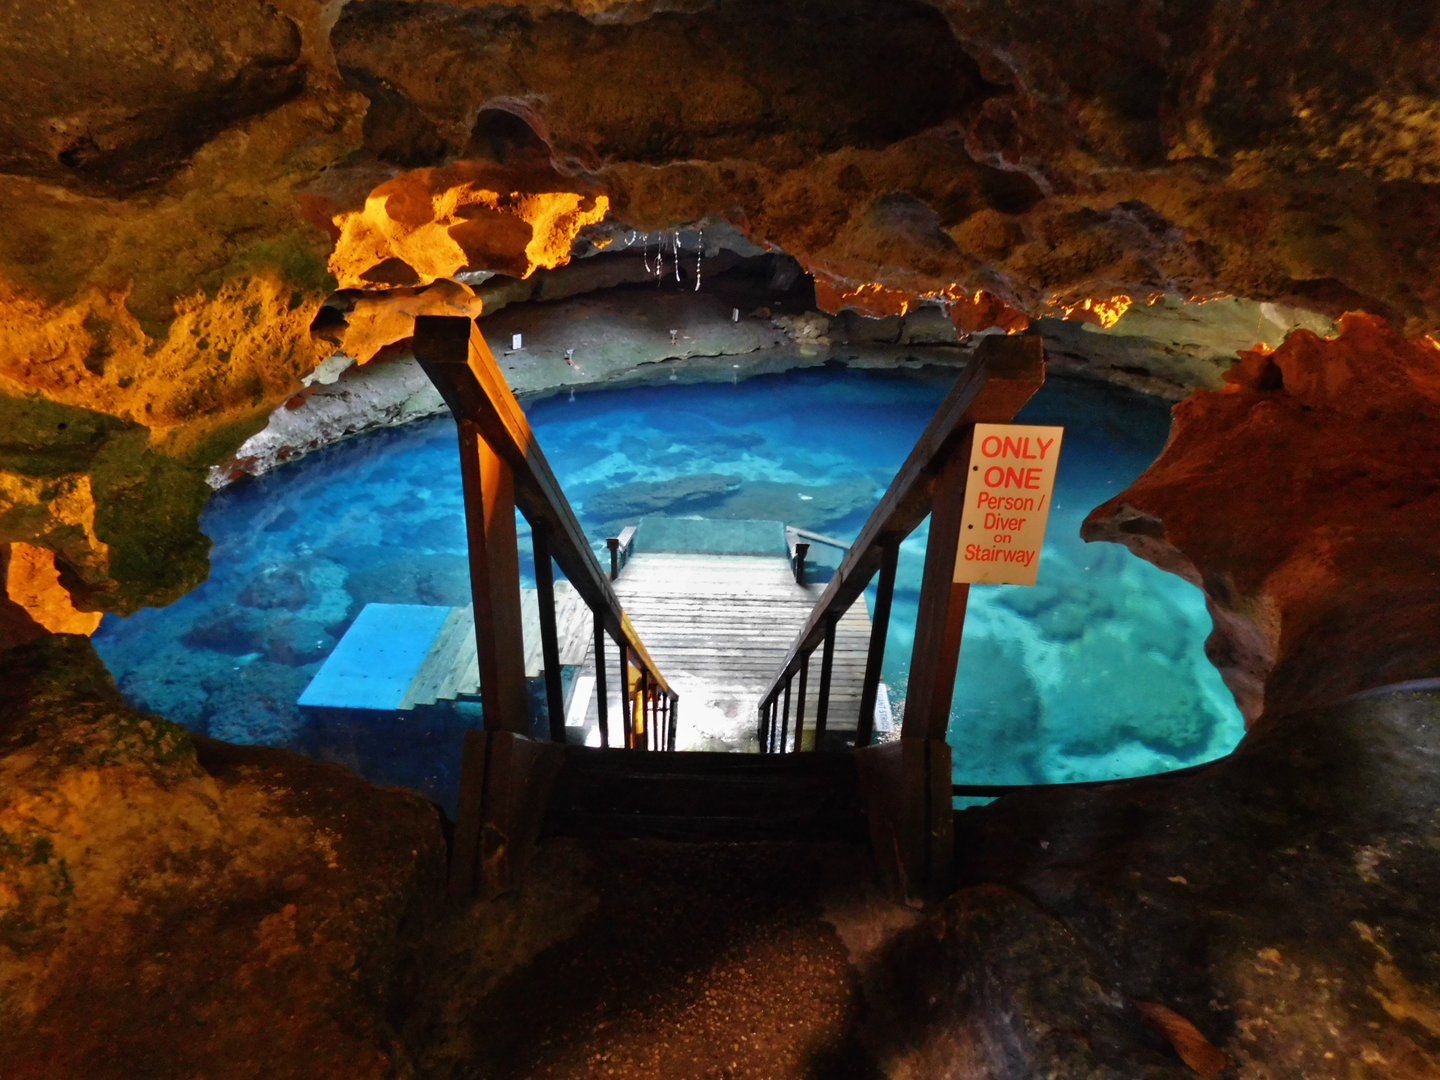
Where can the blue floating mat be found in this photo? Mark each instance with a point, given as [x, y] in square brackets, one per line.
[377, 659]
[711, 536]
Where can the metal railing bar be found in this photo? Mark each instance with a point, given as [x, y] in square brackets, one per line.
[819, 538]
[785, 720]
[627, 718]
[800, 705]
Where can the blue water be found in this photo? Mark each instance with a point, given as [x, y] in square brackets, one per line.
[1096, 672]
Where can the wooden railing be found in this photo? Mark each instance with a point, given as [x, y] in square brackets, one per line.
[907, 783]
[1002, 376]
[505, 776]
[502, 468]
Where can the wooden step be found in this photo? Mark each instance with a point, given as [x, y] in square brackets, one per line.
[701, 796]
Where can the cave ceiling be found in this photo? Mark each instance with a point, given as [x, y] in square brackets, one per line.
[183, 186]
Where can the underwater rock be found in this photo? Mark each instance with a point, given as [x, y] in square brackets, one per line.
[680, 495]
[1304, 500]
[810, 506]
[237, 631]
[170, 683]
[254, 703]
[1062, 603]
[1160, 708]
[175, 906]
[1278, 898]
[442, 580]
[996, 727]
[297, 641]
[276, 587]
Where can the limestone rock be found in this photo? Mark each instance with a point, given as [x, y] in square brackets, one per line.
[1276, 899]
[1320, 460]
[184, 191]
[33, 581]
[680, 495]
[173, 906]
[991, 987]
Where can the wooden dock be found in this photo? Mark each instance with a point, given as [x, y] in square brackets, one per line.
[719, 626]
[718, 623]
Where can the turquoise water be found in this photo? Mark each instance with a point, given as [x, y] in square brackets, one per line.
[1096, 672]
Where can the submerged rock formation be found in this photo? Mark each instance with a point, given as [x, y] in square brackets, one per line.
[1304, 499]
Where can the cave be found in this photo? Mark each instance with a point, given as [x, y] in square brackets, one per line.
[484, 501]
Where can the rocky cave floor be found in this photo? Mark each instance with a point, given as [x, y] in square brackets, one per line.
[186, 908]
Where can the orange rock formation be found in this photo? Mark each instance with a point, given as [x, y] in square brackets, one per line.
[1304, 499]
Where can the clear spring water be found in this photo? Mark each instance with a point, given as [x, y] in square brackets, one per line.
[1097, 672]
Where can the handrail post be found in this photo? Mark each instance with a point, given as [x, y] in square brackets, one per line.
[800, 704]
[642, 701]
[549, 635]
[613, 543]
[489, 488]
[784, 720]
[941, 616]
[874, 661]
[627, 724]
[801, 550]
[827, 663]
[601, 692]
[926, 844]
[674, 719]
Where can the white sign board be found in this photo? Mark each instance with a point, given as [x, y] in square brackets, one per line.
[1007, 502]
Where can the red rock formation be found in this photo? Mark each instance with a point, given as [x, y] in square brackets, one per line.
[1304, 498]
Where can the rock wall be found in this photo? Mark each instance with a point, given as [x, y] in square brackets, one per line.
[1304, 498]
[1276, 902]
[172, 906]
[183, 189]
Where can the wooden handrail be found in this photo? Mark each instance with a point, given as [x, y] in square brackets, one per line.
[1002, 376]
[453, 353]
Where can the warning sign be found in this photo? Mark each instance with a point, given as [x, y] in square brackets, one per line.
[1007, 502]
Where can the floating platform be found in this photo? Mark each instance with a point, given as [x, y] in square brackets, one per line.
[395, 657]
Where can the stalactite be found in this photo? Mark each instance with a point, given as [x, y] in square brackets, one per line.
[699, 254]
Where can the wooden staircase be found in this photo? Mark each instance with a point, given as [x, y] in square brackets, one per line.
[696, 796]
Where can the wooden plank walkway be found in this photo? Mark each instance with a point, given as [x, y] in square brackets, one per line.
[719, 627]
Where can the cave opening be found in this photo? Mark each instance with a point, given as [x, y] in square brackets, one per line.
[653, 399]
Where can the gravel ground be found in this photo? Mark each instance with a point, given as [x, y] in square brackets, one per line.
[697, 961]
